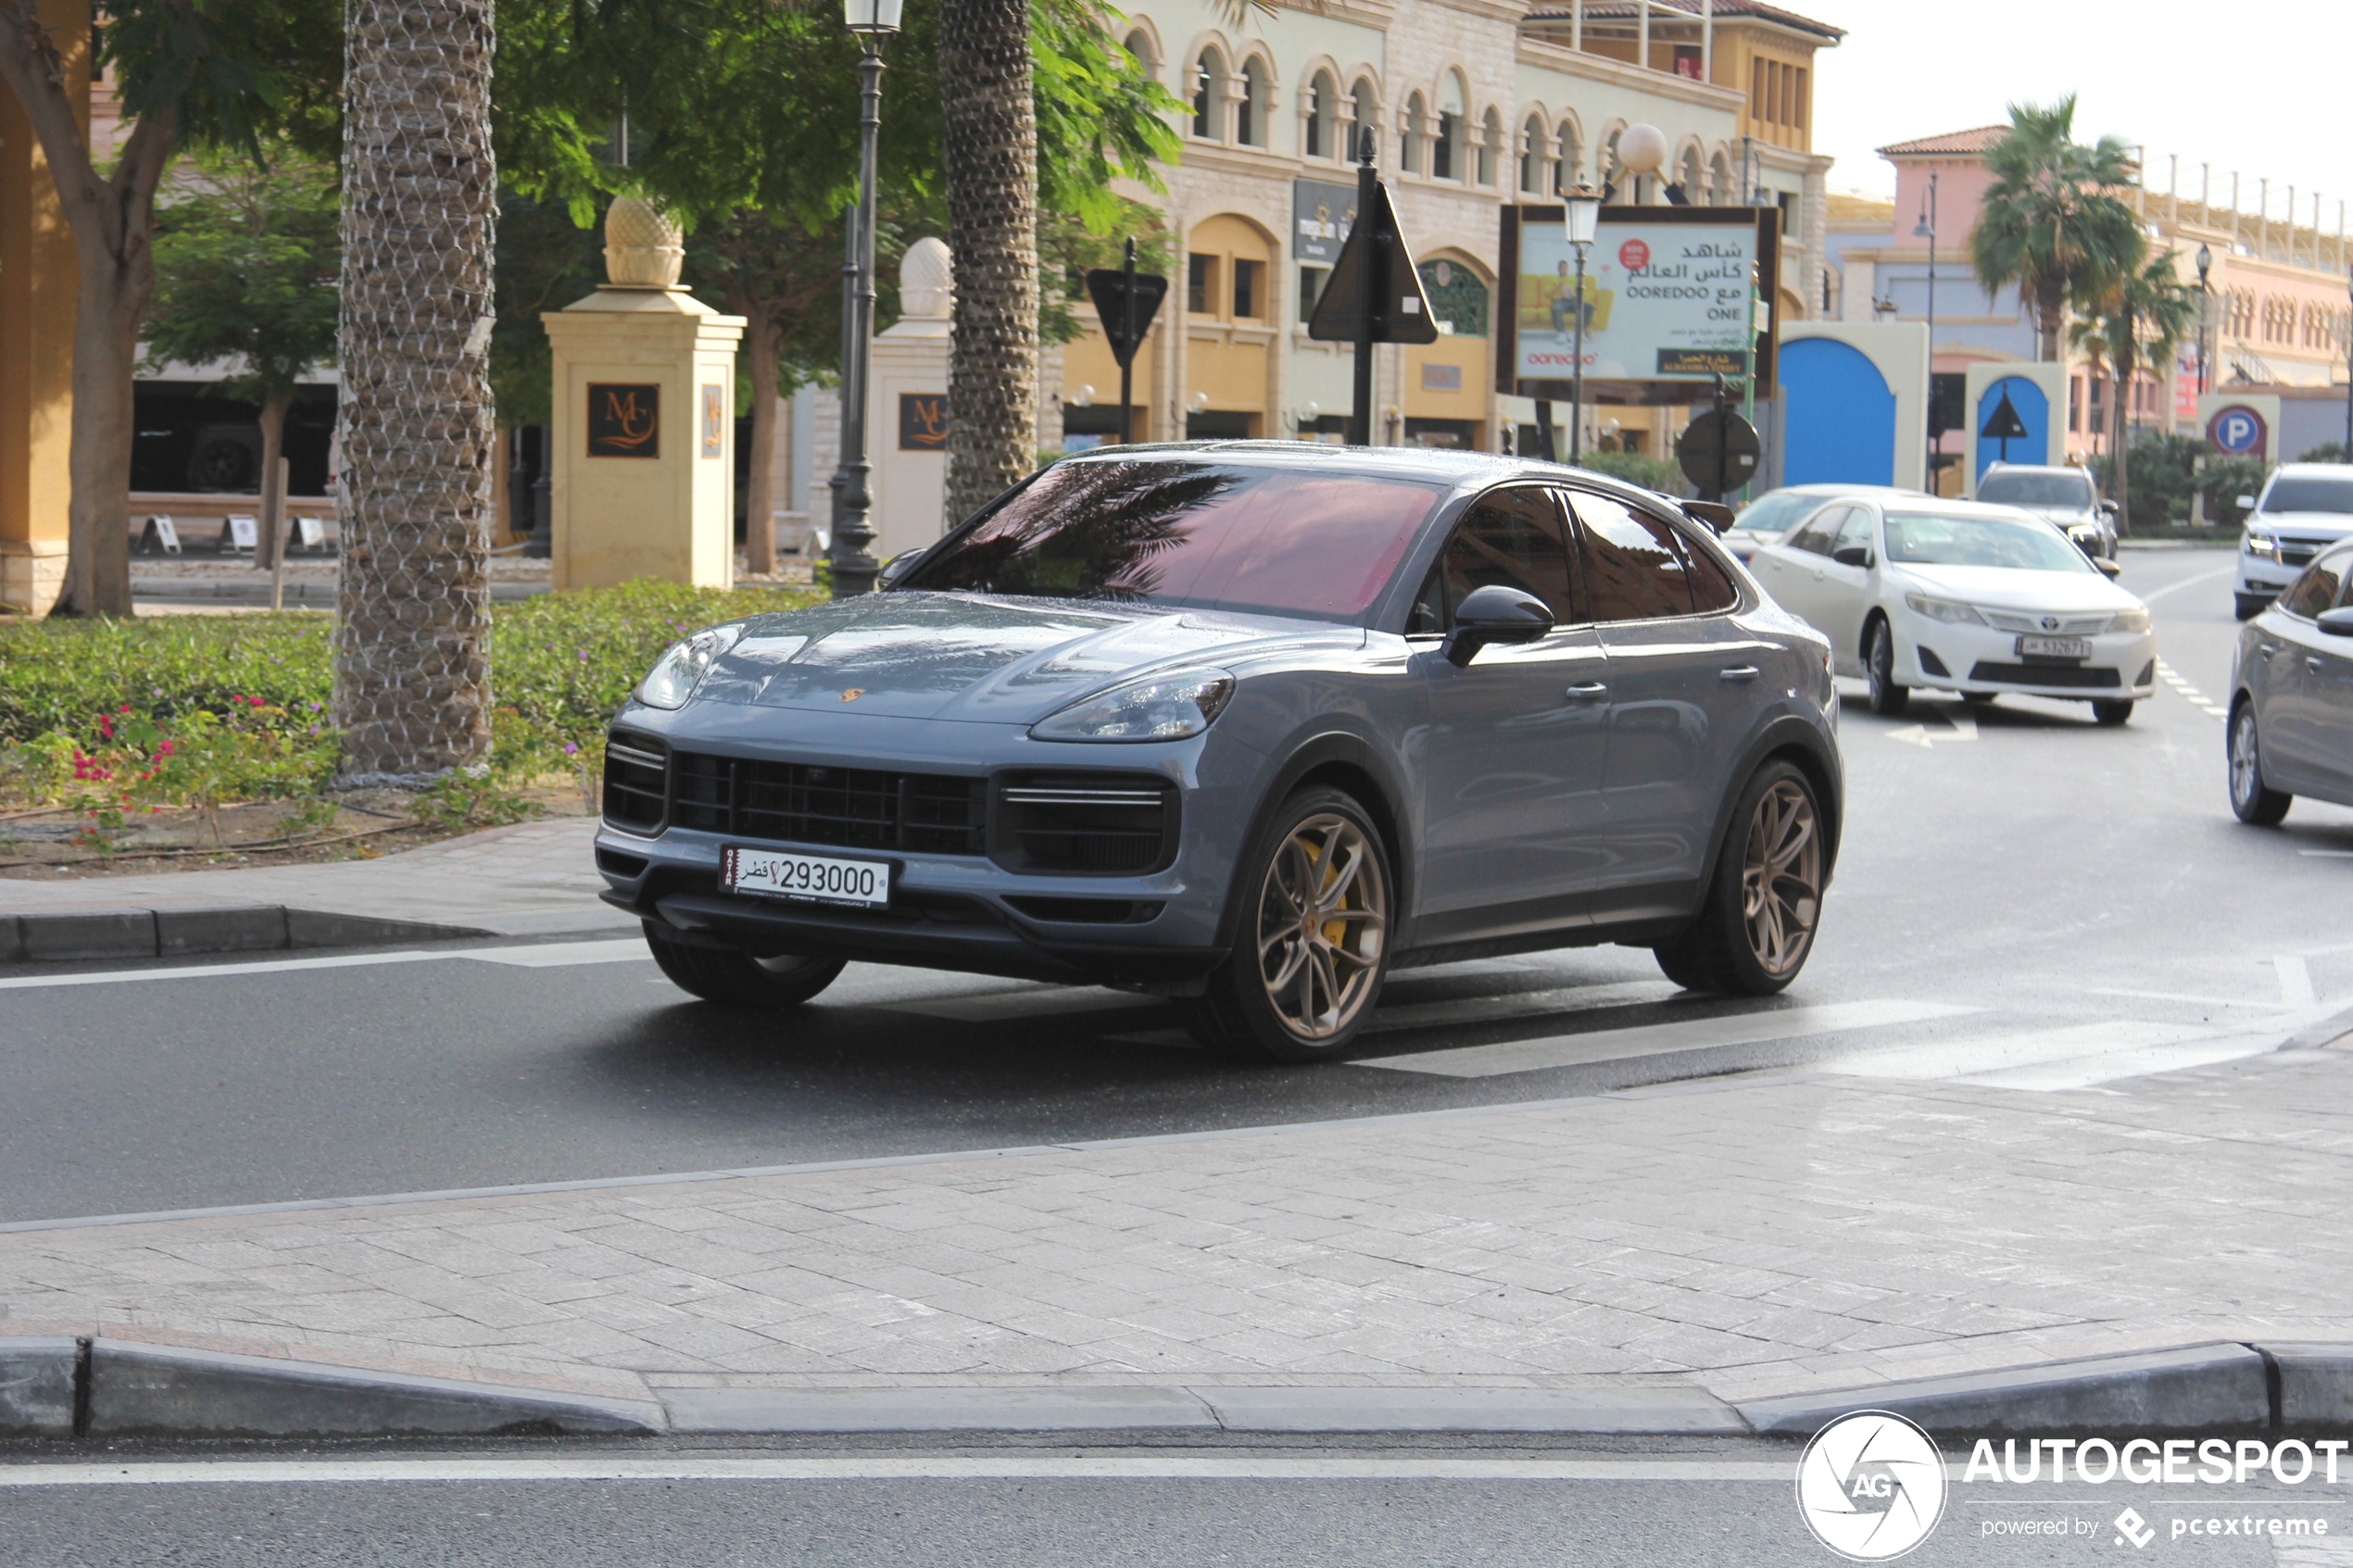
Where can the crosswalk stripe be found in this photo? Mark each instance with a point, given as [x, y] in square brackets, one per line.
[1394, 1018]
[1658, 1039]
[1037, 1001]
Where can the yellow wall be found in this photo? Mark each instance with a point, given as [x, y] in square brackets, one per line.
[37, 293]
[1785, 116]
[1230, 358]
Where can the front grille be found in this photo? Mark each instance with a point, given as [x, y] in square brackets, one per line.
[1105, 824]
[2297, 552]
[794, 802]
[2045, 675]
[2069, 625]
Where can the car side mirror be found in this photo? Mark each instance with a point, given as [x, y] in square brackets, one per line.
[897, 567]
[2108, 508]
[1495, 614]
[2245, 503]
[1852, 555]
[1716, 514]
[2337, 622]
[2107, 567]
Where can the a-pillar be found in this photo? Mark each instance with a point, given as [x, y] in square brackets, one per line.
[644, 427]
[37, 293]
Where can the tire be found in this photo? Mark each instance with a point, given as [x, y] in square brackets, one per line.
[2112, 712]
[2252, 801]
[739, 980]
[2250, 605]
[1888, 699]
[1294, 990]
[1776, 822]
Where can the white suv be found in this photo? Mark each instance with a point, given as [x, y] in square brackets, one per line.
[2304, 508]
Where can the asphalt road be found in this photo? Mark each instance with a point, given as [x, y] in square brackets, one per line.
[2006, 869]
[1732, 1503]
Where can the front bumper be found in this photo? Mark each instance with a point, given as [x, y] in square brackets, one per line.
[1943, 655]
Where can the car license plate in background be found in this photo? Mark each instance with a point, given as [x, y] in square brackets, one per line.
[778, 874]
[2054, 647]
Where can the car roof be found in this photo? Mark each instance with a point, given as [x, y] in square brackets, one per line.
[1955, 507]
[2303, 469]
[2038, 468]
[1460, 470]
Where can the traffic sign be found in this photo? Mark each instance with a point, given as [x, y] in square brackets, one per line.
[2003, 425]
[1108, 287]
[1718, 452]
[1401, 311]
[2238, 431]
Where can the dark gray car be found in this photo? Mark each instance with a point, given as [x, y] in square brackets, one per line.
[1248, 725]
[2291, 727]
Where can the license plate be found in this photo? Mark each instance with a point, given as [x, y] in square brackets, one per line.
[821, 879]
[2054, 647]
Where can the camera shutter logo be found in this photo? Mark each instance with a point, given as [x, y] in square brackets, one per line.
[1871, 1486]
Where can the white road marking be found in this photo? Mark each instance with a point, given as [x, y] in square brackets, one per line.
[1658, 1039]
[528, 955]
[2178, 996]
[2188, 582]
[1265, 1466]
[1963, 728]
[2182, 688]
[2328, 854]
[1998, 1053]
[2295, 982]
[1035, 1001]
[1392, 1017]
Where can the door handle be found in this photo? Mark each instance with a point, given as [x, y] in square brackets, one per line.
[2267, 649]
[1740, 673]
[1587, 690]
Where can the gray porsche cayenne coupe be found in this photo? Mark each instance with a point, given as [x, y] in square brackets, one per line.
[1248, 725]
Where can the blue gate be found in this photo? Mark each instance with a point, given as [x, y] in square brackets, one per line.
[2034, 411]
[1839, 416]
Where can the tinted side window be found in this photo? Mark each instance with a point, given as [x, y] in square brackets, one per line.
[1712, 588]
[2317, 589]
[1856, 530]
[1818, 531]
[1512, 537]
[1632, 567]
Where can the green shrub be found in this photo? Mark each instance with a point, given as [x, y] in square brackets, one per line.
[2224, 481]
[2159, 468]
[61, 674]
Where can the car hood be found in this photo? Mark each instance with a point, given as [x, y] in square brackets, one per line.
[2063, 516]
[2312, 525]
[2005, 587]
[968, 656]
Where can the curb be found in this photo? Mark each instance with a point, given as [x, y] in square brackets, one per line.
[107, 1388]
[2198, 1388]
[67, 935]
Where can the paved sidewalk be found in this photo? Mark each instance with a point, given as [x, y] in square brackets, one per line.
[1748, 1236]
[530, 879]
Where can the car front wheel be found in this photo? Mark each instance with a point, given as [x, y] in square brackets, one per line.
[2254, 802]
[2112, 712]
[1878, 664]
[1311, 947]
[734, 979]
[2250, 605]
[1765, 902]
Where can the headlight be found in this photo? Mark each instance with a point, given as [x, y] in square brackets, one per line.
[1944, 610]
[2083, 530]
[681, 668]
[1173, 706]
[2129, 620]
[2261, 545]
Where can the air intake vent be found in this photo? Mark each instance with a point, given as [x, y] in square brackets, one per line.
[636, 782]
[848, 808]
[1101, 825]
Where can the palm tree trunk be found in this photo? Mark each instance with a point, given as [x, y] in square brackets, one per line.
[2119, 482]
[992, 229]
[412, 669]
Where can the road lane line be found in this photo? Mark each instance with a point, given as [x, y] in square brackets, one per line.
[545, 955]
[1394, 1019]
[1659, 1040]
[2195, 698]
[2189, 583]
[2295, 982]
[1265, 1466]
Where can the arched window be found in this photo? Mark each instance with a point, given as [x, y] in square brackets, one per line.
[1571, 168]
[1366, 107]
[1689, 175]
[1140, 44]
[1409, 156]
[1490, 138]
[1532, 158]
[1720, 176]
[1319, 131]
[1209, 96]
[1249, 115]
[1446, 153]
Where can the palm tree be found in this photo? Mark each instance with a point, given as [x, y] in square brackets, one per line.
[412, 668]
[2051, 223]
[2142, 315]
[991, 138]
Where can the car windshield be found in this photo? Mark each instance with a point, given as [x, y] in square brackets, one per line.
[2309, 493]
[1942, 539]
[1774, 514]
[2035, 490]
[1206, 535]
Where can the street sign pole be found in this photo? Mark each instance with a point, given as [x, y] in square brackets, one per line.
[1369, 288]
[1576, 371]
[1128, 365]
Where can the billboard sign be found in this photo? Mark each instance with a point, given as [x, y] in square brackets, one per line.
[1322, 214]
[1669, 301]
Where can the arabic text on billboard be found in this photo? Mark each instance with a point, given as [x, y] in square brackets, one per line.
[1663, 302]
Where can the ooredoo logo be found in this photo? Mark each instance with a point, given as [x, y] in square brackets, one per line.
[1633, 255]
[1871, 1486]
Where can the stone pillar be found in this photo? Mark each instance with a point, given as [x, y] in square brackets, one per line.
[38, 287]
[907, 414]
[644, 433]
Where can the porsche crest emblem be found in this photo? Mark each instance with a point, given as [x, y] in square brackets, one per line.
[853, 694]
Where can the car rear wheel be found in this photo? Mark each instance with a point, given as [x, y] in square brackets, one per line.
[1311, 947]
[2250, 605]
[2256, 803]
[734, 979]
[1757, 928]
[2112, 712]
[1878, 664]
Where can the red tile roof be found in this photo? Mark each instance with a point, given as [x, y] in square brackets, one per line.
[1958, 142]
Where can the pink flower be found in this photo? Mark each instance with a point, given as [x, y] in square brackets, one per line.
[257, 702]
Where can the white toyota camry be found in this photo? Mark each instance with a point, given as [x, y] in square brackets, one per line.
[1962, 597]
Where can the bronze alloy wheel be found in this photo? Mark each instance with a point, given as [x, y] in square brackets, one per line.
[1322, 915]
[1781, 878]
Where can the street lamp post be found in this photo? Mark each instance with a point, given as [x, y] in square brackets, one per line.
[1925, 229]
[2204, 312]
[853, 565]
[1584, 218]
[2348, 368]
